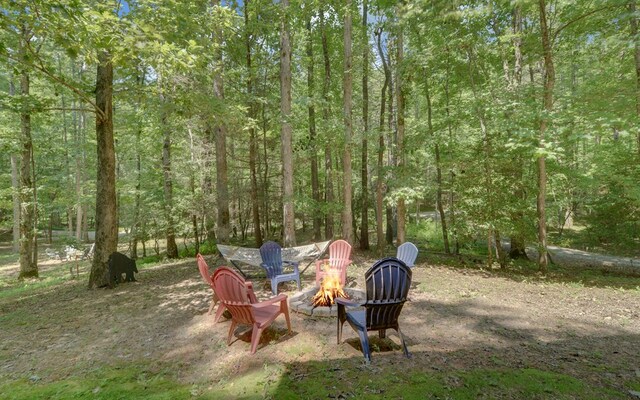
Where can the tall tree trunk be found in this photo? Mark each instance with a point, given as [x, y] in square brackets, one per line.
[28, 268]
[452, 175]
[549, 83]
[364, 220]
[518, 238]
[253, 146]
[313, 145]
[439, 202]
[636, 44]
[392, 140]
[328, 187]
[401, 212]
[347, 227]
[288, 212]
[222, 184]
[172, 247]
[106, 212]
[380, 238]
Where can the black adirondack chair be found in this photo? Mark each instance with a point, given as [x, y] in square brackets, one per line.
[388, 282]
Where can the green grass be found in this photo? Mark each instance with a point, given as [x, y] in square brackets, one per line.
[475, 384]
[131, 382]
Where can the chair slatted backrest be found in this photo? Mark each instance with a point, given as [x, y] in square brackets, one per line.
[204, 270]
[387, 283]
[232, 291]
[340, 250]
[407, 253]
[271, 254]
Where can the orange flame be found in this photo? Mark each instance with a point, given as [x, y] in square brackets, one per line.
[329, 290]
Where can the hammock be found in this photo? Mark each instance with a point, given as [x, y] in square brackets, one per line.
[250, 256]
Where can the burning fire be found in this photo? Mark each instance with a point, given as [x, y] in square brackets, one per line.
[329, 290]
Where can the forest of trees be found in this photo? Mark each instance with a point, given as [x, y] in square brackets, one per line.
[254, 120]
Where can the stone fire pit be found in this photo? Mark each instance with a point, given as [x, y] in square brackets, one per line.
[301, 302]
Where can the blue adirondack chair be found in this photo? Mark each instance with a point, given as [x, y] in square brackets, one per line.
[387, 283]
[407, 253]
[272, 262]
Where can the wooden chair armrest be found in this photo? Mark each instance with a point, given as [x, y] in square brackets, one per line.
[347, 303]
[266, 303]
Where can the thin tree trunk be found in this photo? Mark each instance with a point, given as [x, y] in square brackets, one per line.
[347, 227]
[192, 187]
[15, 185]
[549, 83]
[28, 268]
[315, 184]
[253, 151]
[135, 234]
[439, 202]
[222, 184]
[172, 247]
[380, 239]
[106, 212]
[636, 45]
[401, 209]
[452, 208]
[329, 196]
[364, 220]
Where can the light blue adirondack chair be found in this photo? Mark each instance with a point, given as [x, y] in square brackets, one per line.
[407, 253]
[273, 264]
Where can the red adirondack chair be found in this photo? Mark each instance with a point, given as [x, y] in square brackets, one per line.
[339, 259]
[235, 295]
[204, 271]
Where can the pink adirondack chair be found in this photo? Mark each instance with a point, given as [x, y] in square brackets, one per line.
[339, 259]
[204, 271]
[235, 295]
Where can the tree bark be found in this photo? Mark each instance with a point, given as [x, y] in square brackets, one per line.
[401, 209]
[315, 184]
[347, 227]
[222, 183]
[364, 220]
[549, 83]
[380, 238]
[106, 212]
[329, 197]
[172, 247]
[28, 268]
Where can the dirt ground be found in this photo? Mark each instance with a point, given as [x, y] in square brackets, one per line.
[456, 319]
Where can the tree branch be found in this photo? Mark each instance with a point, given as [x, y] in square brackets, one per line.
[55, 78]
[69, 109]
[583, 16]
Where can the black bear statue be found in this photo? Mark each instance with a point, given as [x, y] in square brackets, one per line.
[120, 264]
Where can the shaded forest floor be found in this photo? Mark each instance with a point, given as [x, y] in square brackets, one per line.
[473, 333]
